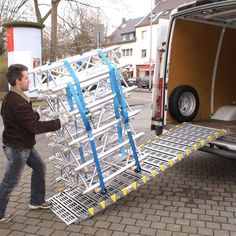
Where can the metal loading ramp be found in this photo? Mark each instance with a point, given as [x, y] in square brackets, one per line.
[95, 153]
[72, 206]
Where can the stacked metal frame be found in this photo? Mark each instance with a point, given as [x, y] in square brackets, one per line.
[99, 142]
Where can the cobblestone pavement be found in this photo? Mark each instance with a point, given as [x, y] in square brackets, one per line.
[195, 197]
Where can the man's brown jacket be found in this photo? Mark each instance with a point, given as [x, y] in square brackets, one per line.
[21, 122]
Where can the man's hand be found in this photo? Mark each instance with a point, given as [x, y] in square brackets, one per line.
[65, 118]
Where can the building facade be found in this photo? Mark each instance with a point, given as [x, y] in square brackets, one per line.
[139, 39]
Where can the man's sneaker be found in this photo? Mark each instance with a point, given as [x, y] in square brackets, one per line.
[6, 218]
[45, 205]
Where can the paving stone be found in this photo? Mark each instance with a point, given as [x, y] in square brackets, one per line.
[59, 233]
[16, 233]
[31, 229]
[132, 229]
[221, 219]
[213, 225]
[158, 225]
[124, 214]
[221, 233]
[191, 216]
[148, 231]
[59, 226]
[74, 228]
[103, 232]
[135, 209]
[176, 214]
[138, 216]
[228, 227]
[205, 218]
[189, 229]
[114, 219]
[117, 227]
[182, 222]
[179, 234]
[173, 227]
[119, 234]
[102, 224]
[75, 234]
[204, 231]
[148, 211]
[164, 233]
[17, 227]
[226, 214]
[168, 220]
[45, 223]
[198, 223]
[4, 232]
[88, 230]
[45, 231]
[128, 221]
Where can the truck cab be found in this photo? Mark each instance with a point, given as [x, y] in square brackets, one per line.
[195, 75]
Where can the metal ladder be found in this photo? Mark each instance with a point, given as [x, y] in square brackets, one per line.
[72, 206]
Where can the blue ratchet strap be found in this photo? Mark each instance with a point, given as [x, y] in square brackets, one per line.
[71, 105]
[77, 84]
[115, 74]
[115, 102]
[90, 134]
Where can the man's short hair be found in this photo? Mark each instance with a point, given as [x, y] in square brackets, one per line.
[15, 72]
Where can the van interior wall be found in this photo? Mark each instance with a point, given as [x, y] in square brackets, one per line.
[192, 60]
[225, 86]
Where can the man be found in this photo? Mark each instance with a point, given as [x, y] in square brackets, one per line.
[21, 124]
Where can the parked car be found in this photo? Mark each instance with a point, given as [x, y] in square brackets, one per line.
[133, 81]
[144, 83]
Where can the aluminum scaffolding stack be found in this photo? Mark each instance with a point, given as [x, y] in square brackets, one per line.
[95, 153]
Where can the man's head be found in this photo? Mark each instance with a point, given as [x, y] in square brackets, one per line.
[17, 75]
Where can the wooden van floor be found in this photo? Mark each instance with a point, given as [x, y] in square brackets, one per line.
[229, 125]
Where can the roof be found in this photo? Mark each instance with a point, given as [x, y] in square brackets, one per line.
[127, 26]
[162, 9]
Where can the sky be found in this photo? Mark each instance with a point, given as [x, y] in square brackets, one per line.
[128, 9]
[113, 13]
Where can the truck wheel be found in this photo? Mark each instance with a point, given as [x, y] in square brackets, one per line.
[184, 103]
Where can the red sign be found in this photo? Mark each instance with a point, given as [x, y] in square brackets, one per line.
[10, 39]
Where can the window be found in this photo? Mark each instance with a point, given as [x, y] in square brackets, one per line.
[127, 37]
[131, 51]
[144, 34]
[123, 52]
[143, 53]
[131, 36]
[127, 52]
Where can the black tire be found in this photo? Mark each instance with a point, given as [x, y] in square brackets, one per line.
[184, 103]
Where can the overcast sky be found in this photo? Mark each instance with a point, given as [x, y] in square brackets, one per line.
[113, 13]
[128, 9]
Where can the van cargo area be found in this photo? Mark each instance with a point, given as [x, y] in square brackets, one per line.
[203, 55]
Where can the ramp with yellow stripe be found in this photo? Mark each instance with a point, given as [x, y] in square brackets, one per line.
[72, 206]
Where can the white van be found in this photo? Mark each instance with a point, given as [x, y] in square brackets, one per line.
[196, 77]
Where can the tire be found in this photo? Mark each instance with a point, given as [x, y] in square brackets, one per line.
[184, 103]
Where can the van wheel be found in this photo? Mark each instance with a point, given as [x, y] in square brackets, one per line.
[184, 103]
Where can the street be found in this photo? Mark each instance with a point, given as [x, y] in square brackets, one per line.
[197, 196]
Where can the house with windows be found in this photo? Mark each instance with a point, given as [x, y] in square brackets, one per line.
[125, 37]
[140, 38]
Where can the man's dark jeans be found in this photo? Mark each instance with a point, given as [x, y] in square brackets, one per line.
[17, 158]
